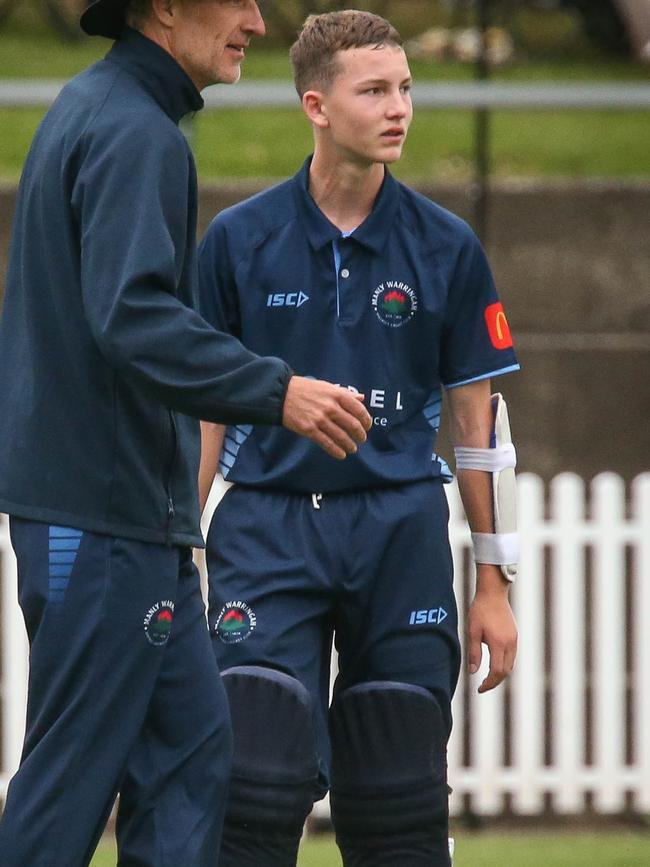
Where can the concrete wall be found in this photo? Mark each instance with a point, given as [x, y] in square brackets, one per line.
[573, 267]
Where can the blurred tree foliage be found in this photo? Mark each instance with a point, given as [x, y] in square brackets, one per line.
[535, 24]
[61, 15]
[286, 16]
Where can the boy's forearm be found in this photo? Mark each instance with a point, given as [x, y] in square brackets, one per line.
[211, 443]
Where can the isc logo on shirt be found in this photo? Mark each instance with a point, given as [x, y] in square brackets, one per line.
[433, 615]
[286, 299]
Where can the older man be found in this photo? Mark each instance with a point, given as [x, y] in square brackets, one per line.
[104, 363]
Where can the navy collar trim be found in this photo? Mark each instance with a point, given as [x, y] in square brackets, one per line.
[374, 230]
[157, 70]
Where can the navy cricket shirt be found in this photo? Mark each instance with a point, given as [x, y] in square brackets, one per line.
[402, 307]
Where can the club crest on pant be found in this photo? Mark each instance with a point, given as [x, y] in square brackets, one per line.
[158, 622]
[235, 622]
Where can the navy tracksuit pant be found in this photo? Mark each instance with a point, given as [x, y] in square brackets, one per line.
[124, 696]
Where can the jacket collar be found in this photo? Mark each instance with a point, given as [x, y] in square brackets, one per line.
[158, 72]
[372, 233]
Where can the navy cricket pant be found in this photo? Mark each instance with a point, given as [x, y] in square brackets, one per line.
[371, 568]
[124, 696]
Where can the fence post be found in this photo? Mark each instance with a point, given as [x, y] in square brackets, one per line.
[14, 652]
[608, 647]
[528, 676]
[641, 649]
[568, 641]
[482, 117]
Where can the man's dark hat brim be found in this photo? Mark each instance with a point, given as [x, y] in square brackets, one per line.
[104, 18]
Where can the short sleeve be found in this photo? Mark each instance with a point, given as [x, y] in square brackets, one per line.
[476, 339]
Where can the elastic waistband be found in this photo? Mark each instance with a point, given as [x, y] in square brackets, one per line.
[354, 492]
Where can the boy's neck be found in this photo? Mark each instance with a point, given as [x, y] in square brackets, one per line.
[344, 193]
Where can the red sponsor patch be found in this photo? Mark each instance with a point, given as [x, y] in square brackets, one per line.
[497, 326]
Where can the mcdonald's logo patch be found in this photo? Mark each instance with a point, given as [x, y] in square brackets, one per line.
[497, 325]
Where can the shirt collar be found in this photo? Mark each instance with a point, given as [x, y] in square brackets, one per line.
[158, 72]
[372, 233]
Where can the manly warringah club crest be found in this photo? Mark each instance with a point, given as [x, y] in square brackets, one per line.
[394, 303]
[158, 622]
[235, 622]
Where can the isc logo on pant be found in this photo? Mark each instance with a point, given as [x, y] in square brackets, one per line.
[286, 299]
[433, 615]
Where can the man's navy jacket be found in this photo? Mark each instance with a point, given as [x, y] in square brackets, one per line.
[105, 366]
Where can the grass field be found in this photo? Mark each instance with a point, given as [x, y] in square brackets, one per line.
[496, 850]
[35, 54]
[273, 144]
[524, 144]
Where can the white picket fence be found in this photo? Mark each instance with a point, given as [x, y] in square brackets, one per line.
[571, 730]
[573, 727]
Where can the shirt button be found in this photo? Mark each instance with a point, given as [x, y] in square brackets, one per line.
[345, 273]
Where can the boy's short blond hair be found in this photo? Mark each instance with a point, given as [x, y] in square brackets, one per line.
[313, 54]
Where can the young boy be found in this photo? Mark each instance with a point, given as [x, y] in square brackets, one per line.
[351, 276]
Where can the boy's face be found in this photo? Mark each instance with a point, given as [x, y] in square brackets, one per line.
[368, 106]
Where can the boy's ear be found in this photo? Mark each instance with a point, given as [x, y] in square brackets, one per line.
[312, 103]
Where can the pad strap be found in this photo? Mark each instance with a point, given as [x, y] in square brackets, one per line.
[501, 549]
[490, 460]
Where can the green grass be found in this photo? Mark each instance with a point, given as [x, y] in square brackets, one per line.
[18, 126]
[496, 849]
[315, 852]
[559, 144]
[272, 144]
[37, 55]
[553, 850]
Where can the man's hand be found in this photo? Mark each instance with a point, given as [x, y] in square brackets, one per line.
[491, 622]
[332, 417]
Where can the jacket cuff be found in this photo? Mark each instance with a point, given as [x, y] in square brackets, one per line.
[286, 379]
